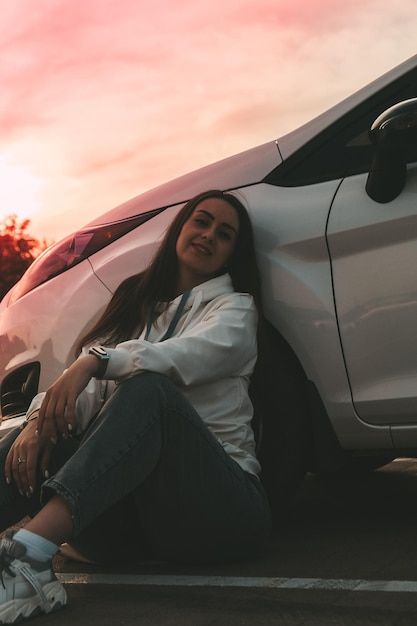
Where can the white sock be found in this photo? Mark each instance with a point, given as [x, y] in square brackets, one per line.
[37, 547]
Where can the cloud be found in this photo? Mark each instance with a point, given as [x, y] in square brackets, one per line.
[104, 99]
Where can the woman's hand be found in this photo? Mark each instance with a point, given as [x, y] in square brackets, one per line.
[57, 411]
[28, 451]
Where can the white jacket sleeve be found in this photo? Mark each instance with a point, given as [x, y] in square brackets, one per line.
[220, 344]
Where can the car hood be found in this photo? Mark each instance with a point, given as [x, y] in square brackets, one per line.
[242, 170]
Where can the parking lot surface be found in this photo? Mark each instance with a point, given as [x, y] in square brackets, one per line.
[345, 553]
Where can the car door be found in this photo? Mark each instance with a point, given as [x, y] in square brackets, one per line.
[373, 250]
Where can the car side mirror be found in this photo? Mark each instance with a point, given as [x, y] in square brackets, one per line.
[393, 136]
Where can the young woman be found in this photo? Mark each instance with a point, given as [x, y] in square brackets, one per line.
[144, 445]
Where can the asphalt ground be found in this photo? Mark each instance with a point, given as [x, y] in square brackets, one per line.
[345, 554]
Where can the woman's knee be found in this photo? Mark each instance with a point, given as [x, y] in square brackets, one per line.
[148, 381]
[148, 389]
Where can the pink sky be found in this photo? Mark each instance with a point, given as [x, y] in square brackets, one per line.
[103, 99]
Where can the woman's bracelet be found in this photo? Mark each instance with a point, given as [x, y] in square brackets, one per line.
[33, 416]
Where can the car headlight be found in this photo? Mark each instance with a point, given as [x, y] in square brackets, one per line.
[74, 249]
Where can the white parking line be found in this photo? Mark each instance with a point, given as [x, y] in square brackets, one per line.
[324, 584]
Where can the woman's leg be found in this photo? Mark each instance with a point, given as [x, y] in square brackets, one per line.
[13, 506]
[97, 542]
[192, 499]
[28, 584]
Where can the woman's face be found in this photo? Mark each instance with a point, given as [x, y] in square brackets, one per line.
[206, 242]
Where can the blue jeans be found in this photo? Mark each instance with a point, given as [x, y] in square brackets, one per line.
[149, 478]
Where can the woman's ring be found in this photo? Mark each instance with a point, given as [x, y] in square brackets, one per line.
[19, 460]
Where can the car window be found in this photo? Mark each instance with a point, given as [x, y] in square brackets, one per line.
[343, 149]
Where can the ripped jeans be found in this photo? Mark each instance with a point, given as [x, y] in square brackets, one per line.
[148, 478]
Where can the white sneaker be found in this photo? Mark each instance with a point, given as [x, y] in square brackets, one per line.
[27, 587]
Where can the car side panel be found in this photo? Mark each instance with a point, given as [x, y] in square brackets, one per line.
[290, 227]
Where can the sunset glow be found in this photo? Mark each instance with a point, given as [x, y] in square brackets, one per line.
[104, 99]
[19, 191]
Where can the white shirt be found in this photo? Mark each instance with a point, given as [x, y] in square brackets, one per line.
[210, 358]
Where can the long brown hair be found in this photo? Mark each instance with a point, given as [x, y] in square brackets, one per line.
[127, 312]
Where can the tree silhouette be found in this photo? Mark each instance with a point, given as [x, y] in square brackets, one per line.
[17, 251]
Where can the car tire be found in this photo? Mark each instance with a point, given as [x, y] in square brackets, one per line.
[278, 392]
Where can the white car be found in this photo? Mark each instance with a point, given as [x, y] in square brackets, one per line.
[334, 208]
